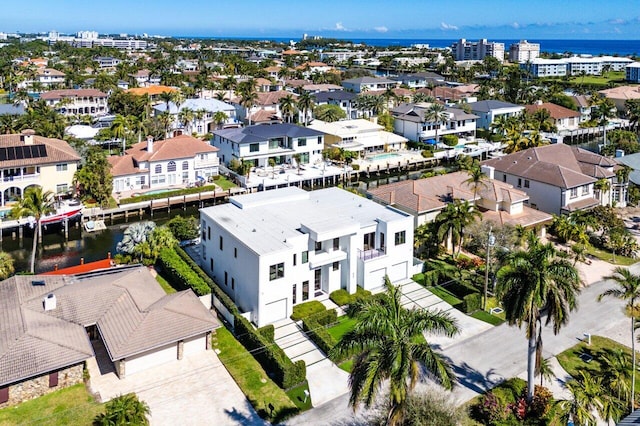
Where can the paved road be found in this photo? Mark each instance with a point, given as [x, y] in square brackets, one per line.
[484, 360]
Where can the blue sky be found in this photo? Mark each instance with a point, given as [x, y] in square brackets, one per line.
[511, 19]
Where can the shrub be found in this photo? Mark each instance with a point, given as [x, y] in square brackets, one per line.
[449, 140]
[184, 228]
[471, 303]
[427, 153]
[271, 357]
[165, 195]
[318, 334]
[327, 317]
[268, 332]
[541, 403]
[340, 297]
[180, 273]
[306, 309]
[355, 167]
[491, 410]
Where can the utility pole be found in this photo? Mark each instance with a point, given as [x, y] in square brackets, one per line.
[491, 240]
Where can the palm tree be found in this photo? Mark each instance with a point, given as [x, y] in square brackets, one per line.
[436, 113]
[615, 366]
[585, 398]
[452, 220]
[36, 203]
[628, 290]
[534, 282]
[186, 116]
[545, 371]
[602, 186]
[220, 117]
[387, 339]
[287, 107]
[305, 103]
[119, 128]
[6, 265]
[248, 97]
[134, 237]
[477, 179]
[124, 410]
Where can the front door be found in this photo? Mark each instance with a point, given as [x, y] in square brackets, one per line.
[317, 284]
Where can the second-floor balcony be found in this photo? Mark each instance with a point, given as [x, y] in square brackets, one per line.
[370, 254]
[322, 257]
[20, 178]
[209, 162]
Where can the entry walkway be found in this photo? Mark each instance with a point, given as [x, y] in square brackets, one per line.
[415, 295]
[326, 380]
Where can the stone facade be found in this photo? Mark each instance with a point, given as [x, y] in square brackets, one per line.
[38, 386]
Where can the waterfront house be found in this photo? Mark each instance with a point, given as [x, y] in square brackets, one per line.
[160, 164]
[563, 118]
[364, 84]
[265, 110]
[488, 111]
[359, 135]
[70, 102]
[272, 250]
[413, 122]
[203, 111]
[52, 324]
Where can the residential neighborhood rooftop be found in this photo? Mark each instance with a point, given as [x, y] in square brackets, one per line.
[260, 133]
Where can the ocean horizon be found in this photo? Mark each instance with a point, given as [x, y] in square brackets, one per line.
[579, 47]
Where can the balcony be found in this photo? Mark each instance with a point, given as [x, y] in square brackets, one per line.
[322, 258]
[211, 162]
[370, 254]
[20, 178]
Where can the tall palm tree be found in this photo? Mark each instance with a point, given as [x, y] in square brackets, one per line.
[628, 290]
[585, 399]
[186, 116]
[248, 97]
[305, 103]
[220, 117]
[453, 219]
[602, 186]
[387, 341]
[35, 203]
[477, 179]
[534, 282]
[436, 113]
[120, 128]
[287, 107]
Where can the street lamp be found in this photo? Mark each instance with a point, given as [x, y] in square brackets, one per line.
[491, 241]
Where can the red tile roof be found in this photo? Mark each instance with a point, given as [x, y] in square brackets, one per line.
[180, 147]
[557, 112]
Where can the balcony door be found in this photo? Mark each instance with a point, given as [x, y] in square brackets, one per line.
[317, 282]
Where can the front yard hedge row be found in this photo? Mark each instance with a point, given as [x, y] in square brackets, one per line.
[278, 365]
[215, 288]
[268, 332]
[180, 273]
[306, 309]
[471, 303]
[342, 297]
[165, 195]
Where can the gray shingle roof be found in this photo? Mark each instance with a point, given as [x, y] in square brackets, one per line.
[130, 309]
[261, 133]
[338, 95]
[489, 105]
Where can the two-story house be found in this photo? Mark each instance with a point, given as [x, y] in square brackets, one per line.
[27, 159]
[45, 77]
[161, 164]
[272, 250]
[359, 135]
[563, 118]
[265, 109]
[364, 84]
[487, 111]
[412, 121]
[560, 178]
[280, 142]
[345, 100]
[201, 113]
[77, 101]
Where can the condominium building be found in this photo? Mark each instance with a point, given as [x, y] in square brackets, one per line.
[271, 250]
[540, 67]
[523, 51]
[464, 50]
[632, 72]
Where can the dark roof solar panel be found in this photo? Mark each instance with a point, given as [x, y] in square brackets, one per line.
[42, 151]
[26, 152]
[3, 154]
[11, 153]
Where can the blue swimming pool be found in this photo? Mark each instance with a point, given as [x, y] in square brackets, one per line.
[158, 191]
[385, 156]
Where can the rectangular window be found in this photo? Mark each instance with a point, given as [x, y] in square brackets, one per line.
[276, 271]
[382, 241]
[585, 189]
[226, 277]
[302, 142]
[318, 246]
[519, 182]
[235, 252]
[204, 228]
[61, 167]
[53, 379]
[274, 143]
[220, 242]
[208, 232]
[400, 237]
[305, 290]
[294, 294]
[233, 283]
[294, 259]
[211, 264]
[319, 140]
[574, 192]
[254, 147]
[336, 266]
[369, 241]
[336, 243]
[504, 178]
[526, 183]
[305, 257]
[63, 187]
[4, 395]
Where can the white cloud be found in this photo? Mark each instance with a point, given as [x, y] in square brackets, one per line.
[515, 25]
[381, 29]
[340, 27]
[447, 27]
[618, 21]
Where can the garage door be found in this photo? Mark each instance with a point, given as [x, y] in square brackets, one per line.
[398, 272]
[376, 279]
[151, 359]
[273, 312]
[195, 345]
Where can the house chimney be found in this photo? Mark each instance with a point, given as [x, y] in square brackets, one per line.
[27, 136]
[392, 197]
[149, 144]
[488, 170]
[50, 302]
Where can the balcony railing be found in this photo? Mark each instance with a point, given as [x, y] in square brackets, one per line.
[20, 178]
[370, 254]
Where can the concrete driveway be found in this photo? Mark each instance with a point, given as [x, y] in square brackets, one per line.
[197, 390]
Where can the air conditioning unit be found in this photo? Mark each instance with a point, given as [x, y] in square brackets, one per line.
[50, 302]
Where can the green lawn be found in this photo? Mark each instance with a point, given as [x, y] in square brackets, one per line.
[224, 183]
[347, 365]
[487, 317]
[616, 77]
[445, 295]
[165, 285]
[296, 395]
[252, 379]
[608, 257]
[571, 362]
[69, 406]
[344, 325]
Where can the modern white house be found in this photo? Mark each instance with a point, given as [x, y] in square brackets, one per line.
[345, 100]
[77, 101]
[260, 143]
[160, 164]
[203, 112]
[364, 84]
[487, 111]
[560, 178]
[410, 121]
[46, 77]
[359, 135]
[271, 250]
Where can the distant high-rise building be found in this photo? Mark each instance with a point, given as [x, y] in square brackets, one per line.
[523, 51]
[464, 50]
[87, 35]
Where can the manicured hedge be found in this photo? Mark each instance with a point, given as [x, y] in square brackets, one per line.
[215, 288]
[307, 309]
[268, 332]
[340, 297]
[471, 303]
[318, 334]
[167, 194]
[180, 273]
[278, 365]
